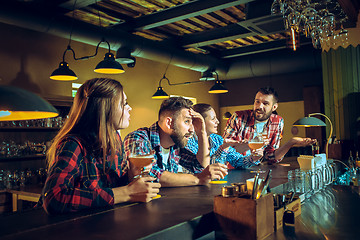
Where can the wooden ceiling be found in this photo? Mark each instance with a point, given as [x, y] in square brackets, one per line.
[220, 28]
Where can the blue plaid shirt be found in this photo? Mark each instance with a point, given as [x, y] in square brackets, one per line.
[220, 155]
[144, 140]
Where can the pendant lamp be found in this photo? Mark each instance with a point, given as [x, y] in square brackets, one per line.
[160, 94]
[63, 73]
[315, 122]
[218, 87]
[109, 65]
[19, 104]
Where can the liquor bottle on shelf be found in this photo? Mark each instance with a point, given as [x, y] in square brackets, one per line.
[315, 148]
[351, 162]
[353, 177]
[357, 161]
[356, 177]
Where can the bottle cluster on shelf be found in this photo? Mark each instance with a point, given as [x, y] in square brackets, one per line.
[352, 171]
[28, 148]
[56, 122]
[16, 179]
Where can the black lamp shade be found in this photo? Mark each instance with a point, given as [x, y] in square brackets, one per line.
[218, 88]
[109, 65]
[19, 104]
[63, 73]
[227, 115]
[160, 94]
[309, 122]
[207, 76]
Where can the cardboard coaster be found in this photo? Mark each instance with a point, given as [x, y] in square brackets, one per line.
[157, 196]
[218, 182]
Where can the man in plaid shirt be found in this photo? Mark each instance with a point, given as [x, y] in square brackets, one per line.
[177, 123]
[263, 121]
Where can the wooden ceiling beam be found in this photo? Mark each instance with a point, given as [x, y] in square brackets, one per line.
[79, 4]
[242, 29]
[216, 35]
[178, 13]
[261, 47]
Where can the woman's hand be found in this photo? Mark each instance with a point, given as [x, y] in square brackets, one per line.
[143, 189]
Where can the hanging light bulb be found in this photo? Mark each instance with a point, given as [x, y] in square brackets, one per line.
[63, 73]
[218, 87]
[293, 41]
[160, 94]
[109, 65]
[19, 104]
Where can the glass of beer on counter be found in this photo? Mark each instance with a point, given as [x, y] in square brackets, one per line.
[256, 141]
[140, 162]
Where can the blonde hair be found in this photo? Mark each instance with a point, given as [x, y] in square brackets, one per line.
[93, 112]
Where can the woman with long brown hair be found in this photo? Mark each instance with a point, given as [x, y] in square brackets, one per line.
[86, 168]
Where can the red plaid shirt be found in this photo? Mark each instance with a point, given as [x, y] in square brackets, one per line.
[241, 125]
[77, 180]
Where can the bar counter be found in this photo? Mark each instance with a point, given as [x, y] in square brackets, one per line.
[187, 213]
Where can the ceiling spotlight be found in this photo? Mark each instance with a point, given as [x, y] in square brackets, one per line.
[123, 56]
[207, 76]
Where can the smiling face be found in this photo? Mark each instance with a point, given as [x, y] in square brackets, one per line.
[122, 114]
[182, 128]
[211, 121]
[264, 105]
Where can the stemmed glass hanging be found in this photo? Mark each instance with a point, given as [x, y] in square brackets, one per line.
[316, 19]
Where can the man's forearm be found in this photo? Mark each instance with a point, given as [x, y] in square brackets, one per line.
[169, 179]
[294, 141]
[281, 151]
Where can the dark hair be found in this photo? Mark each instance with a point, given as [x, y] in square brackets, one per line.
[269, 91]
[174, 105]
[202, 108]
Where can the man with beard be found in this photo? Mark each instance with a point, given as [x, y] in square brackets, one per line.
[262, 121]
[165, 138]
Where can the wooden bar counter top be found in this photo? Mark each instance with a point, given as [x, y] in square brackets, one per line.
[182, 213]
